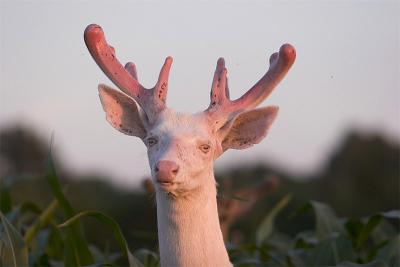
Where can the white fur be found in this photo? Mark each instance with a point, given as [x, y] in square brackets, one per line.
[188, 227]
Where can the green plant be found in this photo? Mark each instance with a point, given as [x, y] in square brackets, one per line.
[372, 241]
[53, 236]
[30, 236]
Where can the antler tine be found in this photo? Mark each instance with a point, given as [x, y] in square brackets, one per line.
[280, 64]
[131, 68]
[221, 106]
[219, 91]
[152, 101]
[162, 83]
[104, 55]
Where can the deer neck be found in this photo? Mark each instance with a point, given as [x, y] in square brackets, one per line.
[189, 232]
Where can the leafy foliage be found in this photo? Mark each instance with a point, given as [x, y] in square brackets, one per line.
[13, 251]
[110, 222]
[46, 239]
[372, 241]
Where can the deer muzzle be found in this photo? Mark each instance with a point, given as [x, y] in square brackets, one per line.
[166, 171]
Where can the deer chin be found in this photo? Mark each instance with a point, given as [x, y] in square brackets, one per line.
[176, 189]
[166, 186]
[172, 189]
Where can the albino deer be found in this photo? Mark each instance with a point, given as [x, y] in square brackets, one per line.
[182, 147]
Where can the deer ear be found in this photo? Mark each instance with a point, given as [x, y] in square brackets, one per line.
[247, 128]
[122, 112]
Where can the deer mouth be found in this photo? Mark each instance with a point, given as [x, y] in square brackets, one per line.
[165, 185]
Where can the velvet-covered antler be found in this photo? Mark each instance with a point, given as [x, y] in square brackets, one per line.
[152, 101]
[221, 107]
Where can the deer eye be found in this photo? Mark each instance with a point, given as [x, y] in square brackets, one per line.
[205, 148]
[151, 141]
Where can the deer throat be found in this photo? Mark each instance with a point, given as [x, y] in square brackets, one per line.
[189, 232]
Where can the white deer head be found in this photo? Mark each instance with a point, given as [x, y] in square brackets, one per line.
[182, 147]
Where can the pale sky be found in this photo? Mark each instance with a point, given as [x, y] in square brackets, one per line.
[346, 74]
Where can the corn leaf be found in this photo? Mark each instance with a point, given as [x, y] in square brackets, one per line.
[373, 221]
[77, 251]
[331, 251]
[13, 251]
[133, 262]
[327, 224]
[42, 220]
[267, 225]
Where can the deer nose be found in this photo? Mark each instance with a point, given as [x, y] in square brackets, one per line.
[166, 171]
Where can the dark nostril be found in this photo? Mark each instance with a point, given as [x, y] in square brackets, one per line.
[175, 171]
[166, 170]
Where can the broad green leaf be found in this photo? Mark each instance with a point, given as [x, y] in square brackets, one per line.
[354, 227]
[374, 250]
[373, 221]
[76, 249]
[360, 232]
[331, 251]
[133, 262]
[326, 222]
[13, 251]
[383, 231]
[267, 225]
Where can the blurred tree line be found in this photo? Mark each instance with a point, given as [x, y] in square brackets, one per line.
[360, 178]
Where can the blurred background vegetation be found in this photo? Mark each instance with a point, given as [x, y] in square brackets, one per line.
[360, 178]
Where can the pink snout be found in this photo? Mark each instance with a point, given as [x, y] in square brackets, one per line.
[166, 171]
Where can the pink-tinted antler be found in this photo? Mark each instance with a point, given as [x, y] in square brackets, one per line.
[152, 101]
[222, 107]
